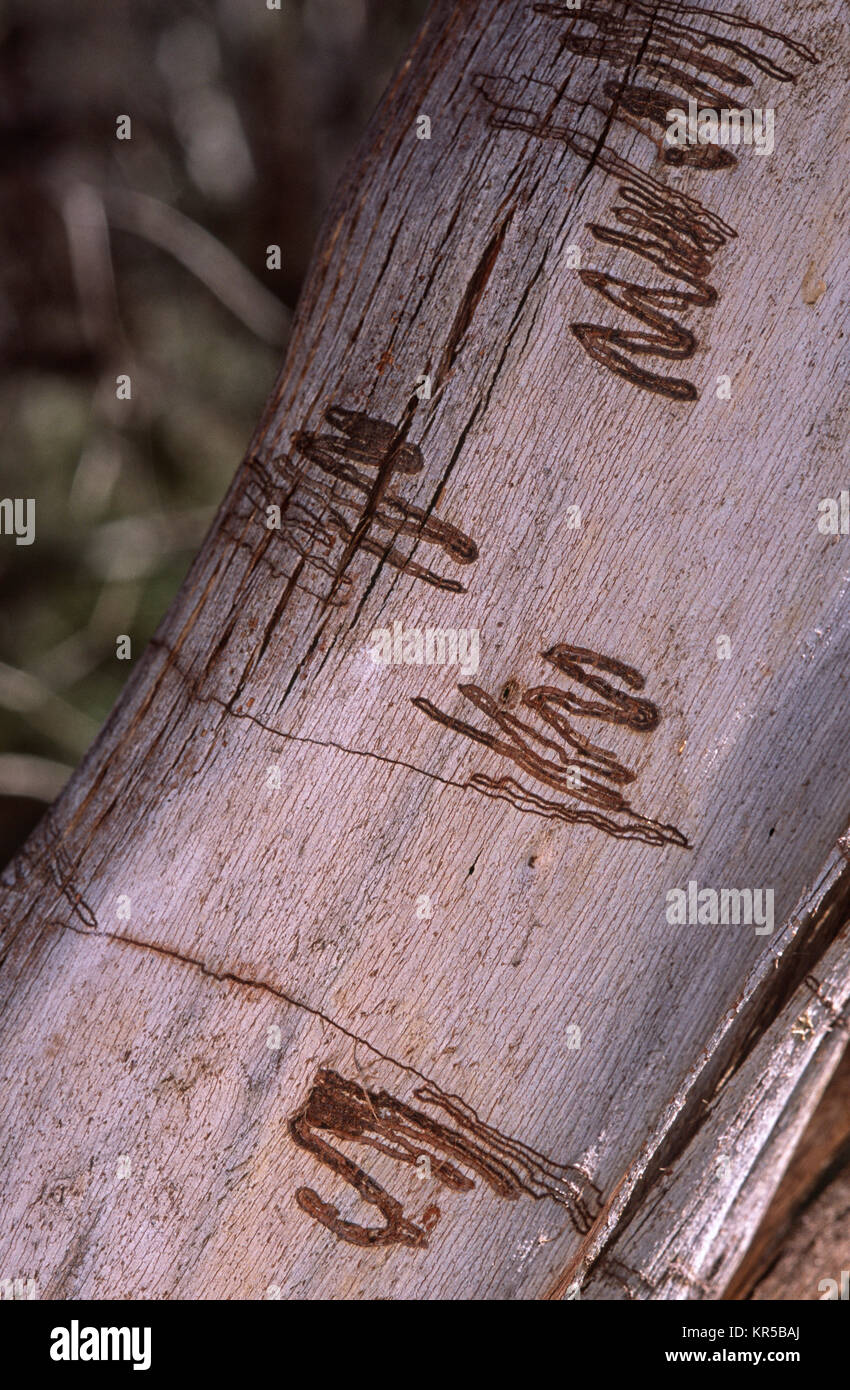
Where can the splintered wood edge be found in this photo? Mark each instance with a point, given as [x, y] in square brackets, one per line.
[722, 1145]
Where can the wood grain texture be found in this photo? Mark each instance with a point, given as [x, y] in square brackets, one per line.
[695, 1211]
[277, 924]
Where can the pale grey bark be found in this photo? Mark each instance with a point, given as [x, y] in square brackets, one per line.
[151, 1061]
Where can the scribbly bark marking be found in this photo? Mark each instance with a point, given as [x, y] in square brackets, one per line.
[348, 1111]
[675, 233]
[341, 503]
[555, 766]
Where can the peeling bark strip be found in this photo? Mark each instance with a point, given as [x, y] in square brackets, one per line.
[318, 512]
[562, 770]
[348, 1111]
[679, 235]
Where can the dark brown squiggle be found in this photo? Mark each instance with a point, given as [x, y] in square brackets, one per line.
[671, 45]
[319, 511]
[634, 104]
[555, 766]
[303, 524]
[682, 236]
[674, 233]
[348, 1111]
[364, 440]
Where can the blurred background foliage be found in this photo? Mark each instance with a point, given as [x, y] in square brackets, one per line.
[146, 257]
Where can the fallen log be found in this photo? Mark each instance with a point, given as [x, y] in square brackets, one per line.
[454, 873]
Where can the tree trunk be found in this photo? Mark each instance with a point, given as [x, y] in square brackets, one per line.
[344, 970]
